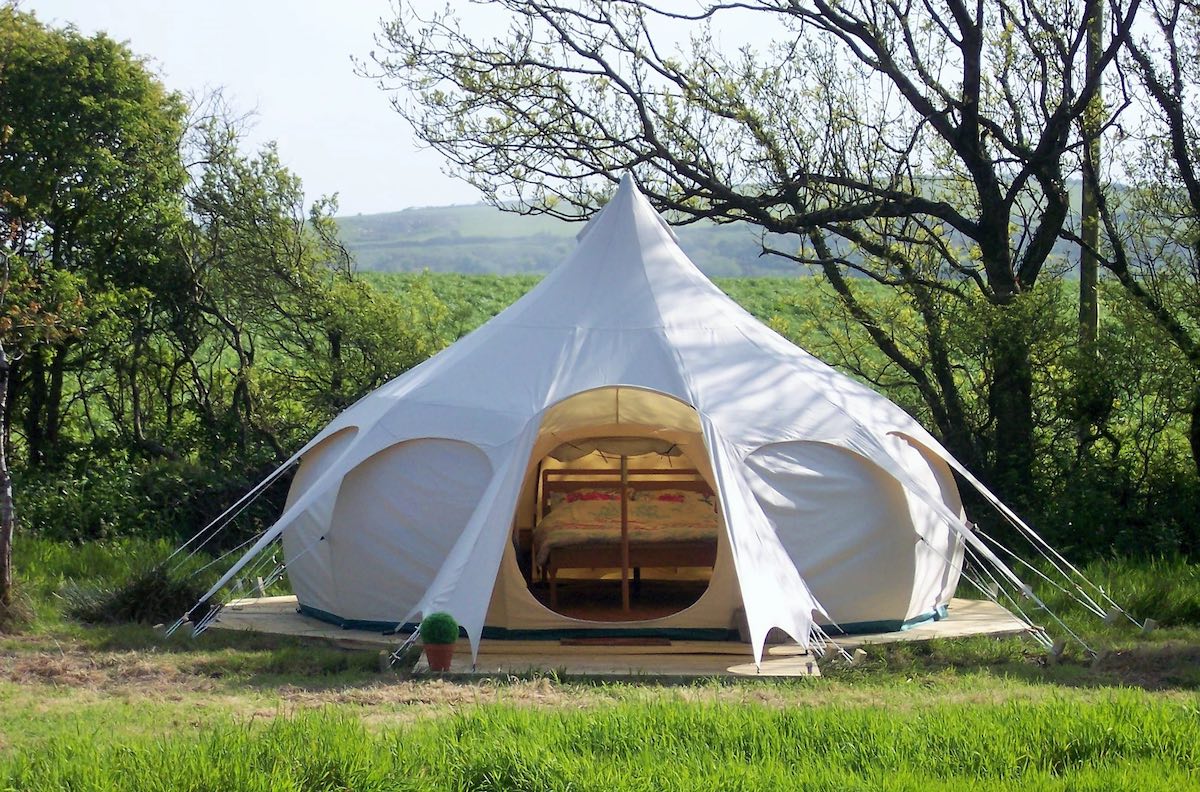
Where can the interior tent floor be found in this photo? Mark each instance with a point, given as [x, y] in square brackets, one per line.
[680, 660]
[600, 600]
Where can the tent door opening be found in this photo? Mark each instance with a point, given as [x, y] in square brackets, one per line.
[626, 531]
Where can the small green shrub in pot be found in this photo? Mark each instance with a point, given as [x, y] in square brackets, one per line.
[439, 628]
[439, 634]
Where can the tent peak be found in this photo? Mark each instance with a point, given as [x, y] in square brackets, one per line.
[627, 201]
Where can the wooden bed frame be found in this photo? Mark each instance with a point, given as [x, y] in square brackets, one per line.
[696, 553]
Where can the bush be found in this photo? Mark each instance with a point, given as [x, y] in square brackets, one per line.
[439, 628]
[152, 597]
[109, 499]
[1099, 509]
[17, 615]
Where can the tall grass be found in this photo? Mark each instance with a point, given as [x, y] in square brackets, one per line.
[45, 566]
[122, 576]
[1164, 589]
[1122, 741]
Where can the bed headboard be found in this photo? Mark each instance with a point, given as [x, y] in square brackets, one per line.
[640, 479]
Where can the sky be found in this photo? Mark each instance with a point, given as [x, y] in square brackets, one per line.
[289, 61]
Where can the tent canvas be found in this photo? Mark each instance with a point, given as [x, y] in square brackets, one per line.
[835, 505]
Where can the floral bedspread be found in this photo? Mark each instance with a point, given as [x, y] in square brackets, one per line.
[598, 522]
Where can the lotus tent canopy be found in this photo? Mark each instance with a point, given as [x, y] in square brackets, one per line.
[834, 505]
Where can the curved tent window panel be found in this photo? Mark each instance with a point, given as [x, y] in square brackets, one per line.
[940, 552]
[396, 517]
[848, 527]
[318, 461]
[309, 567]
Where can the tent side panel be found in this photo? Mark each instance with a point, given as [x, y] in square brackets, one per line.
[318, 460]
[307, 557]
[940, 555]
[397, 516]
[309, 566]
[846, 525]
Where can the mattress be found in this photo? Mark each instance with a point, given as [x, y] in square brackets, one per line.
[598, 522]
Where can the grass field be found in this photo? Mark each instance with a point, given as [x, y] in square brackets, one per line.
[122, 707]
[1056, 744]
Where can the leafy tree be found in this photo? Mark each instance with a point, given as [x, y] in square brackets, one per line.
[270, 333]
[1152, 221]
[94, 155]
[37, 305]
[223, 323]
[923, 145]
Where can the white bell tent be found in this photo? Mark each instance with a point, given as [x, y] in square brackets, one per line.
[835, 506]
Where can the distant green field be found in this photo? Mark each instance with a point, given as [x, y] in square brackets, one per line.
[796, 308]
[785, 303]
[480, 239]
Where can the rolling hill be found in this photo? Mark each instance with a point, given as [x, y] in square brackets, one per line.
[480, 239]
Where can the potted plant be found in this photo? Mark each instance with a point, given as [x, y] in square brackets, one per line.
[439, 634]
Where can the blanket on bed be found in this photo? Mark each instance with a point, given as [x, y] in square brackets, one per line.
[598, 522]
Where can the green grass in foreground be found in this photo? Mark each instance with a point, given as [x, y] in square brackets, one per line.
[1119, 742]
[123, 707]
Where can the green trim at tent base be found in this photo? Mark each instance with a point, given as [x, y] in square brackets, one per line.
[673, 633]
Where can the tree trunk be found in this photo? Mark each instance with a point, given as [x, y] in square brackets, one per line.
[135, 391]
[54, 404]
[336, 369]
[35, 387]
[1194, 431]
[1089, 267]
[7, 513]
[1011, 401]
[44, 381]
[941, 393]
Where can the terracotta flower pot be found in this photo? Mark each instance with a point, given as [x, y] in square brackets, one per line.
[439, 656]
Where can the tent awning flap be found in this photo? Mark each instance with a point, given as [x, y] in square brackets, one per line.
[615, 447]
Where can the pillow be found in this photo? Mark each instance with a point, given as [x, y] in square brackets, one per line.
[674, 496]
[591, 495]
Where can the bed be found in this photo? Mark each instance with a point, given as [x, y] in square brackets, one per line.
[666, 519]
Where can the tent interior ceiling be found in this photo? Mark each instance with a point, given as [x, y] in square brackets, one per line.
[614, 447]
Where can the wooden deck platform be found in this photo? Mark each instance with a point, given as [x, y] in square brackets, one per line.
[680, 660]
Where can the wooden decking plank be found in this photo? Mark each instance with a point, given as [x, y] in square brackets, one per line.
[678, 660]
